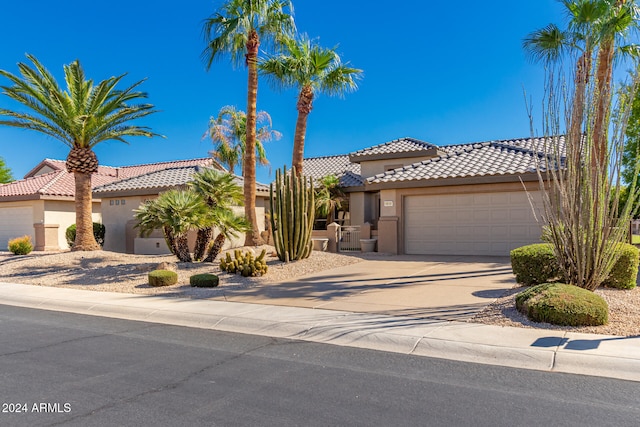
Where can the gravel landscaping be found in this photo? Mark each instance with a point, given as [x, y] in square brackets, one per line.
[116, 272]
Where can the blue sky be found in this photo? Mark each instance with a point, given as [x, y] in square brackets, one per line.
[443, 72]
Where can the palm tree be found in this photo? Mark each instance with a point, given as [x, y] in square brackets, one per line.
[312, 69]
[237, 29]
[81, 116]
[592, 30]
[228, 133]
[176, 212]
[329, 197]
[220, 192]
[229, 225]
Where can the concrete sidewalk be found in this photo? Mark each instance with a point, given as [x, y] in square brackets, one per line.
[616, 357]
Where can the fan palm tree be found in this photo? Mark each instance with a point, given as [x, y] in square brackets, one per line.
[81, 116]
[230, 226]
[329, 197]
[312, 69]
[228, 133]
[220, 192]
[176, 212]
[237, 30]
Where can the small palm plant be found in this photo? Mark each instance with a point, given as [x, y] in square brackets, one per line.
[176, 212]
[329, 197]
[219, 192]
[230, 226]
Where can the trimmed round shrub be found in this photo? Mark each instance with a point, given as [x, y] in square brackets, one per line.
[20, 245]
[98, 232]
[535, 264]
[163, 278]
[204, 280]
[564, 305]
[625, 271]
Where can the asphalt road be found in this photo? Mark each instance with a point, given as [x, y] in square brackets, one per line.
[67, 369]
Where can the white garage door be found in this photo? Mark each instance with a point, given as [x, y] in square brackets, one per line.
[469, 224]
[15, 222]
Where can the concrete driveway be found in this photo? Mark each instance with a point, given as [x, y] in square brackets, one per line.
[437, 287]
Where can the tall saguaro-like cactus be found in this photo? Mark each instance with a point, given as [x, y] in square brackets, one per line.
[292, 215]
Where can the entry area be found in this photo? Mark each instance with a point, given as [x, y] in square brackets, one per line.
[469, 224]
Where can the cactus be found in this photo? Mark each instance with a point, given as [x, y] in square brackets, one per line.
[292, 215]
[245, 263]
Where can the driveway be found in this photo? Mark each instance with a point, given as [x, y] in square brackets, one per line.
[437, 287]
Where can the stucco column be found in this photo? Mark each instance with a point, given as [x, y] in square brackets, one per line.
[46, 237]
[333, 231]
[388, 234]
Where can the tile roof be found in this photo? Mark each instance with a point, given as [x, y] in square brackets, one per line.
[340, 166]
[401, 146]
[61, 183]
[159, 179]
[508, 157]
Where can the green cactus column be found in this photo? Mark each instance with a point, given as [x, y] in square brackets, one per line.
[292, 215]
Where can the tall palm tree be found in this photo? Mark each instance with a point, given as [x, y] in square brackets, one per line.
[81, 116]
[592, 30]
[237, 29]
[228, 133]
[220, 192]
[312, 69]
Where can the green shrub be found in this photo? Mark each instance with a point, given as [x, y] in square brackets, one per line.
[163, 278]
[245, 263]
[625, 271]
[204, 280]
[98, 233]
[20, 245]
[534, 264]
[562, 304]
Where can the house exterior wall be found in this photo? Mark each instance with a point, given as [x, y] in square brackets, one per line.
[357, 207]
[115, 216]
[374, 167]
[62, 214]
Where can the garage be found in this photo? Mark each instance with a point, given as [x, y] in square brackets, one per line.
[468, 224]
[15, 222]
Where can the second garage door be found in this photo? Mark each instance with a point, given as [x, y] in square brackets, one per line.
[469, 224]
[15, 222]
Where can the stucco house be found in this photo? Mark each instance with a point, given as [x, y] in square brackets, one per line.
[466, 199]
[119, 199]
[41, 204]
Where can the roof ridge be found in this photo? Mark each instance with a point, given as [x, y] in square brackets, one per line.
[326, 157]
[59, 173]
[167, 161]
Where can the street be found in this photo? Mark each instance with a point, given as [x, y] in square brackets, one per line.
[67, 369]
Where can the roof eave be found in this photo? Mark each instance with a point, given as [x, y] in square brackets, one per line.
[442, 182]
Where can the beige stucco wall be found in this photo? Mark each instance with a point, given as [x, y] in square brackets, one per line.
[115, 215]
[63, 214]
[37, 217]
[374, 167]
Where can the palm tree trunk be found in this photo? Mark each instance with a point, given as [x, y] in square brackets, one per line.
[182, 248]
[305, 104]
[170, 239]
[215, 249]
[249, 166]
[84, 222]
[202, 242]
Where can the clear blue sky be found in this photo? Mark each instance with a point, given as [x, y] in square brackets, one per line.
[443, 72]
